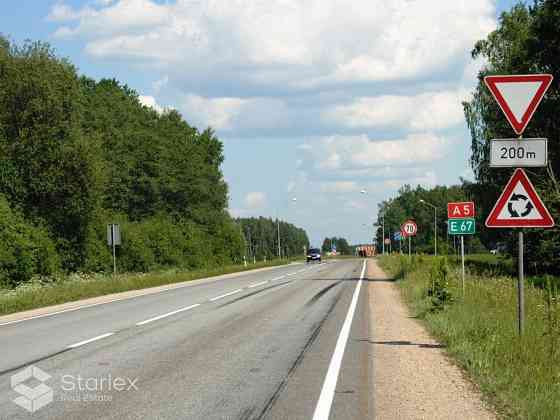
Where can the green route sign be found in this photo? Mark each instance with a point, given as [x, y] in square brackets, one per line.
[465, 226]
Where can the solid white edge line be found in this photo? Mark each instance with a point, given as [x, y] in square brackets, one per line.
[258, 284]
[188, 284]
[157, 318]
[323, 408]
[225, 295]
[91, 340]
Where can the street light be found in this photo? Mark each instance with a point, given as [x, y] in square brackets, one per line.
[435, 224]
[382, 215]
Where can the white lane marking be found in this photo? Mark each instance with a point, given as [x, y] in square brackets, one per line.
[91, 340]
[157, 318]
[225, 295]
[258, 284]
[323, 408]
[301, 271]
[278, 278]
[175, 287]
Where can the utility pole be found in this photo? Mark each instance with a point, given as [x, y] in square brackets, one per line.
[435, 224]
[383, 233]
[279, 249]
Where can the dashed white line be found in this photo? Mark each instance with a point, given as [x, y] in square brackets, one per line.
[258, 284]
[323, 408]
[278, 278]
[91, 340]
[225, 295]
[156, 318]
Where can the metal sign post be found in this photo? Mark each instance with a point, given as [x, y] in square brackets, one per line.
[409, 253]
[519, 205]
[520, 286]
[461, 222]
[463, 263]
[114, 239]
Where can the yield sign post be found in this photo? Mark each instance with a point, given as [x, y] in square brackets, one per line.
[519, 206]
[519, 96]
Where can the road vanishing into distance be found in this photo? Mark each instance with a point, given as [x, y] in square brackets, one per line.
[286, 343]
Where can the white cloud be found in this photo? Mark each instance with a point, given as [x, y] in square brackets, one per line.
[255, 200]
[339, 187]
[150, 102]
[241, 113]
[61, 12]
[340, 153]
[160, 84]
[426, 111]
[300, 43]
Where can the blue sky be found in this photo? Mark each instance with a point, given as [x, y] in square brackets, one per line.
[315, 100]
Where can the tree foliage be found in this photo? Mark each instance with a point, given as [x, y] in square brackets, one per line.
[526, 41]
[77, 154]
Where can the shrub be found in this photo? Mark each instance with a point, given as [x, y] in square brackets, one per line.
[25, 249]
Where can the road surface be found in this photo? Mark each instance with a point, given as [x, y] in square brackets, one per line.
[288, 343]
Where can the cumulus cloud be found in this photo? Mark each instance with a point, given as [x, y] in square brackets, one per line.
[347, 153]
[276, 40]
[426, 111]
[255, 200]
[150, 102]
[227, 113]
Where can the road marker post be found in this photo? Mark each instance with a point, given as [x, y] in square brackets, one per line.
[519, 205]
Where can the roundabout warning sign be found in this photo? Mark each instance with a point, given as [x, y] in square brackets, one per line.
[519, 206]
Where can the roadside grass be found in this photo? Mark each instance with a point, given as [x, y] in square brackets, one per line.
[82, 286]
[520, 376]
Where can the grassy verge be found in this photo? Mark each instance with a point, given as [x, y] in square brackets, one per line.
[519, 376]
[82, 286]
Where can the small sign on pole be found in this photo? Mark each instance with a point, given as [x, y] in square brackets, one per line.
[461, 222]
[408, 230]
[513, 153]
[114, 239]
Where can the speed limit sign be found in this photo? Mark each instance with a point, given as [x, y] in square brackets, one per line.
[409, 228]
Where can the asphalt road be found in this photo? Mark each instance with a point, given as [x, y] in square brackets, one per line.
[289, 343]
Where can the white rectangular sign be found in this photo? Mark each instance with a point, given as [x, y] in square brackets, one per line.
[513, 153]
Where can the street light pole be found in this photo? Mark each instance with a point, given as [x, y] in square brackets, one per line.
[383, 233]
[435, 224]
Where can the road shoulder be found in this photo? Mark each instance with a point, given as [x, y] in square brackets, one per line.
[413, 378]
[130, 294]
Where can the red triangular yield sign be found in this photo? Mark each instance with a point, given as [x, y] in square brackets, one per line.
[519, 205]
[518, 96]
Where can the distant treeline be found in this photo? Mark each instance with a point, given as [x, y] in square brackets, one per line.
[261, 236]
[77, 154]
[407, 205]
[339, 244]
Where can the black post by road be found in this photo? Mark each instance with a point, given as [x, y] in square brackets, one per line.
[520, 285]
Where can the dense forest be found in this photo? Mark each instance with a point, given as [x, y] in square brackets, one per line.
[77, 154]
[261, 235]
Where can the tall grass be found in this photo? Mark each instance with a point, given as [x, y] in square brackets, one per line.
[519, 375]
[81, 286]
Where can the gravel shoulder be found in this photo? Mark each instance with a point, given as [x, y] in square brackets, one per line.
[413, 378]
